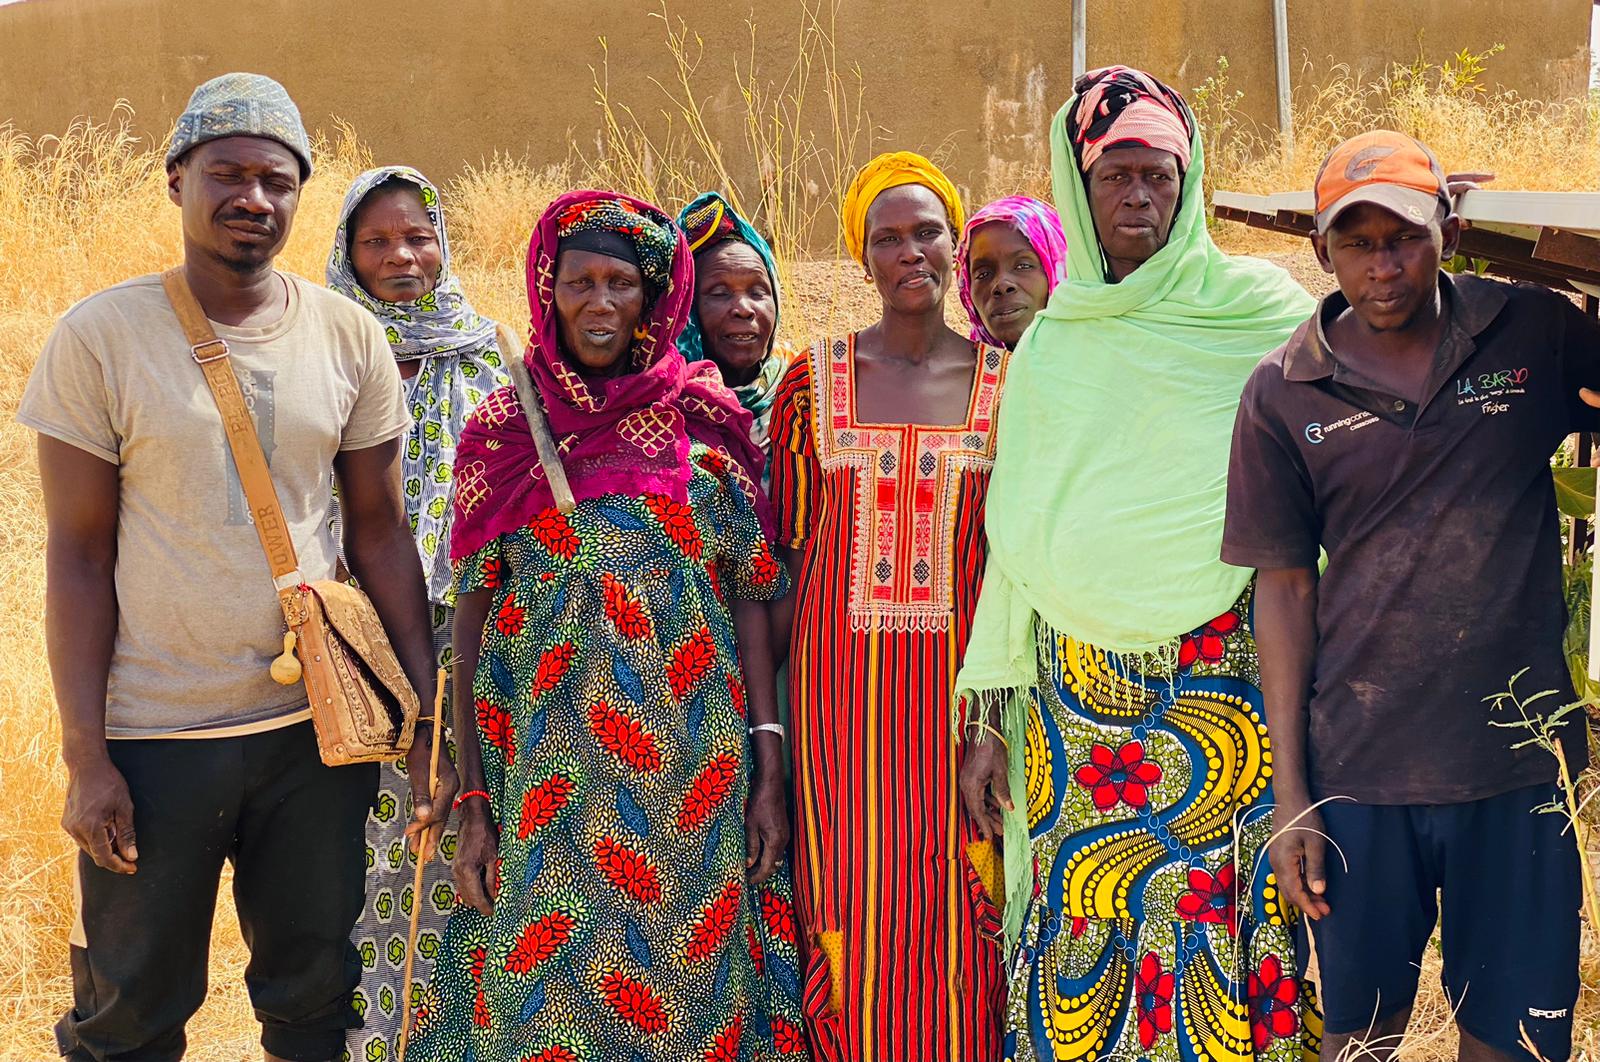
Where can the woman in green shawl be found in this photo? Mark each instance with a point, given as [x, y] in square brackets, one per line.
[1111, 680]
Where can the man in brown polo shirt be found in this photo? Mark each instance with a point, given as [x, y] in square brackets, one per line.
[1406, 430]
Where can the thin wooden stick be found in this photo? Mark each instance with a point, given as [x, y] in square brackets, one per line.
[422, 862]
[1580, 835]
[544, 442]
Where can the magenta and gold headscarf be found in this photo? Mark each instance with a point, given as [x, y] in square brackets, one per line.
[629, 434]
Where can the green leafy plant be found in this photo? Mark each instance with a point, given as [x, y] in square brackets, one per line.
[1577, 583]
[1546, 730]
[1459, 75]
[1226, 132]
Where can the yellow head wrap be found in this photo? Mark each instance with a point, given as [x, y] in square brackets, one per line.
[890, 170]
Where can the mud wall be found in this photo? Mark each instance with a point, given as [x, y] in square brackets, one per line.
[440, 85]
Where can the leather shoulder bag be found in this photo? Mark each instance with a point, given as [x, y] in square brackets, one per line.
[362, 705]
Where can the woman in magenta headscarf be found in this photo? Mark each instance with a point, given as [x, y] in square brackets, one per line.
[1012, 255]
[616, 864]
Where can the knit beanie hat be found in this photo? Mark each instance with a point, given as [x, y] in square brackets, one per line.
[241, 104]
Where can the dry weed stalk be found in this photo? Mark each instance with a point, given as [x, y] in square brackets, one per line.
[1571, 801]
[1544, 731]
[796, 163]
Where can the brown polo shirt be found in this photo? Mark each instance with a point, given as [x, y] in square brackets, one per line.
[1440, 524]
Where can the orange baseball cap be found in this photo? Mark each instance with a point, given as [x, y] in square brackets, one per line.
[1385, 168]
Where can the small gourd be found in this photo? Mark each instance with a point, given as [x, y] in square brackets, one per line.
[286, 669]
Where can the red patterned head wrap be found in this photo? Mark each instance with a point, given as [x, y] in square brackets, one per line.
[1121, 105]
[627, 435]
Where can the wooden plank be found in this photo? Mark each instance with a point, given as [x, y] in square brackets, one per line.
[1574, 250]
[1257, 220]
[1572, 211]
[1512, 257]
[1296, 222]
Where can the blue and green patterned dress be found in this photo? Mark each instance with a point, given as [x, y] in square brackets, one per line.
[611, 713]
[1156, 930]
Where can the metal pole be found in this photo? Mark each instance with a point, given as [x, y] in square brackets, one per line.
[1280, 42]
[1080, 49]
[1582, 530]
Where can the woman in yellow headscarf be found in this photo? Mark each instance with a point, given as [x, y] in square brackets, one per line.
[881, 449]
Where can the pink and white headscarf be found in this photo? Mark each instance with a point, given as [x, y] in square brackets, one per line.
[1121, 105]
[1039, 224]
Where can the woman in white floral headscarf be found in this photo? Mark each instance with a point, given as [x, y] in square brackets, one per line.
[392, 256]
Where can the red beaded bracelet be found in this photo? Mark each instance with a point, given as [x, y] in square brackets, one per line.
[468, 795]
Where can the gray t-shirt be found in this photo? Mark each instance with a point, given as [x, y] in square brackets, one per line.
[198, 620]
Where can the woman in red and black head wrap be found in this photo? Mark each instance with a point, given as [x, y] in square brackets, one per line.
[621, 829]
[1130, 135]
[1115, 736]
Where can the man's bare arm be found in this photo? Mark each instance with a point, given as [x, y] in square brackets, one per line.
[383, 557]
[1286, 638]
[80, 500]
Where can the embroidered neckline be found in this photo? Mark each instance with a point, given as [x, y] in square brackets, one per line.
[849, 366]
[907, 486]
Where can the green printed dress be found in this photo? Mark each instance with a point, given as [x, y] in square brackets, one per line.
[611, 714]
[380, 933]
[460, 358]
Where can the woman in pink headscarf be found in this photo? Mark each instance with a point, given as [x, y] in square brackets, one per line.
[1012, 255]
[621, 893]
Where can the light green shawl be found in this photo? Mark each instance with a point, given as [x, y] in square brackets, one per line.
[1104, 513]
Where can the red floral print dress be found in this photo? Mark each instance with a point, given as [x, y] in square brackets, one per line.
[610, 708]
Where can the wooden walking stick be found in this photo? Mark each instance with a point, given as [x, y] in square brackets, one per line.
[422, 862]
[544, 443]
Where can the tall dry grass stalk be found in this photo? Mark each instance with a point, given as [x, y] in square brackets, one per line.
[792, 151]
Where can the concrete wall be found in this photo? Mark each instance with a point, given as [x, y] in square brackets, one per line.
[439, 85]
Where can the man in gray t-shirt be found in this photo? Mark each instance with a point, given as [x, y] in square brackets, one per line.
[162, 617]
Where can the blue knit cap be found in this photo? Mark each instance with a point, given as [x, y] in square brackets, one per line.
[241, 105]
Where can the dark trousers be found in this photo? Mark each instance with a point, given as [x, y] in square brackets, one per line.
[1510, 883]
[294, 831]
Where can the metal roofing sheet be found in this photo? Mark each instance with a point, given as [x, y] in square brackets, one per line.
[1549, 237]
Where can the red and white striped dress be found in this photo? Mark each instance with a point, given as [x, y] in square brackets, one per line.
[901, 963]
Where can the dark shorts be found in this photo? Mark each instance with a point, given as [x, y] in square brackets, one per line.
[295, 833]
[1509, 882]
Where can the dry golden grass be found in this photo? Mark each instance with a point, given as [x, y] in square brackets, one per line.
[1547, 145]
[805, 131]
[87, 209]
